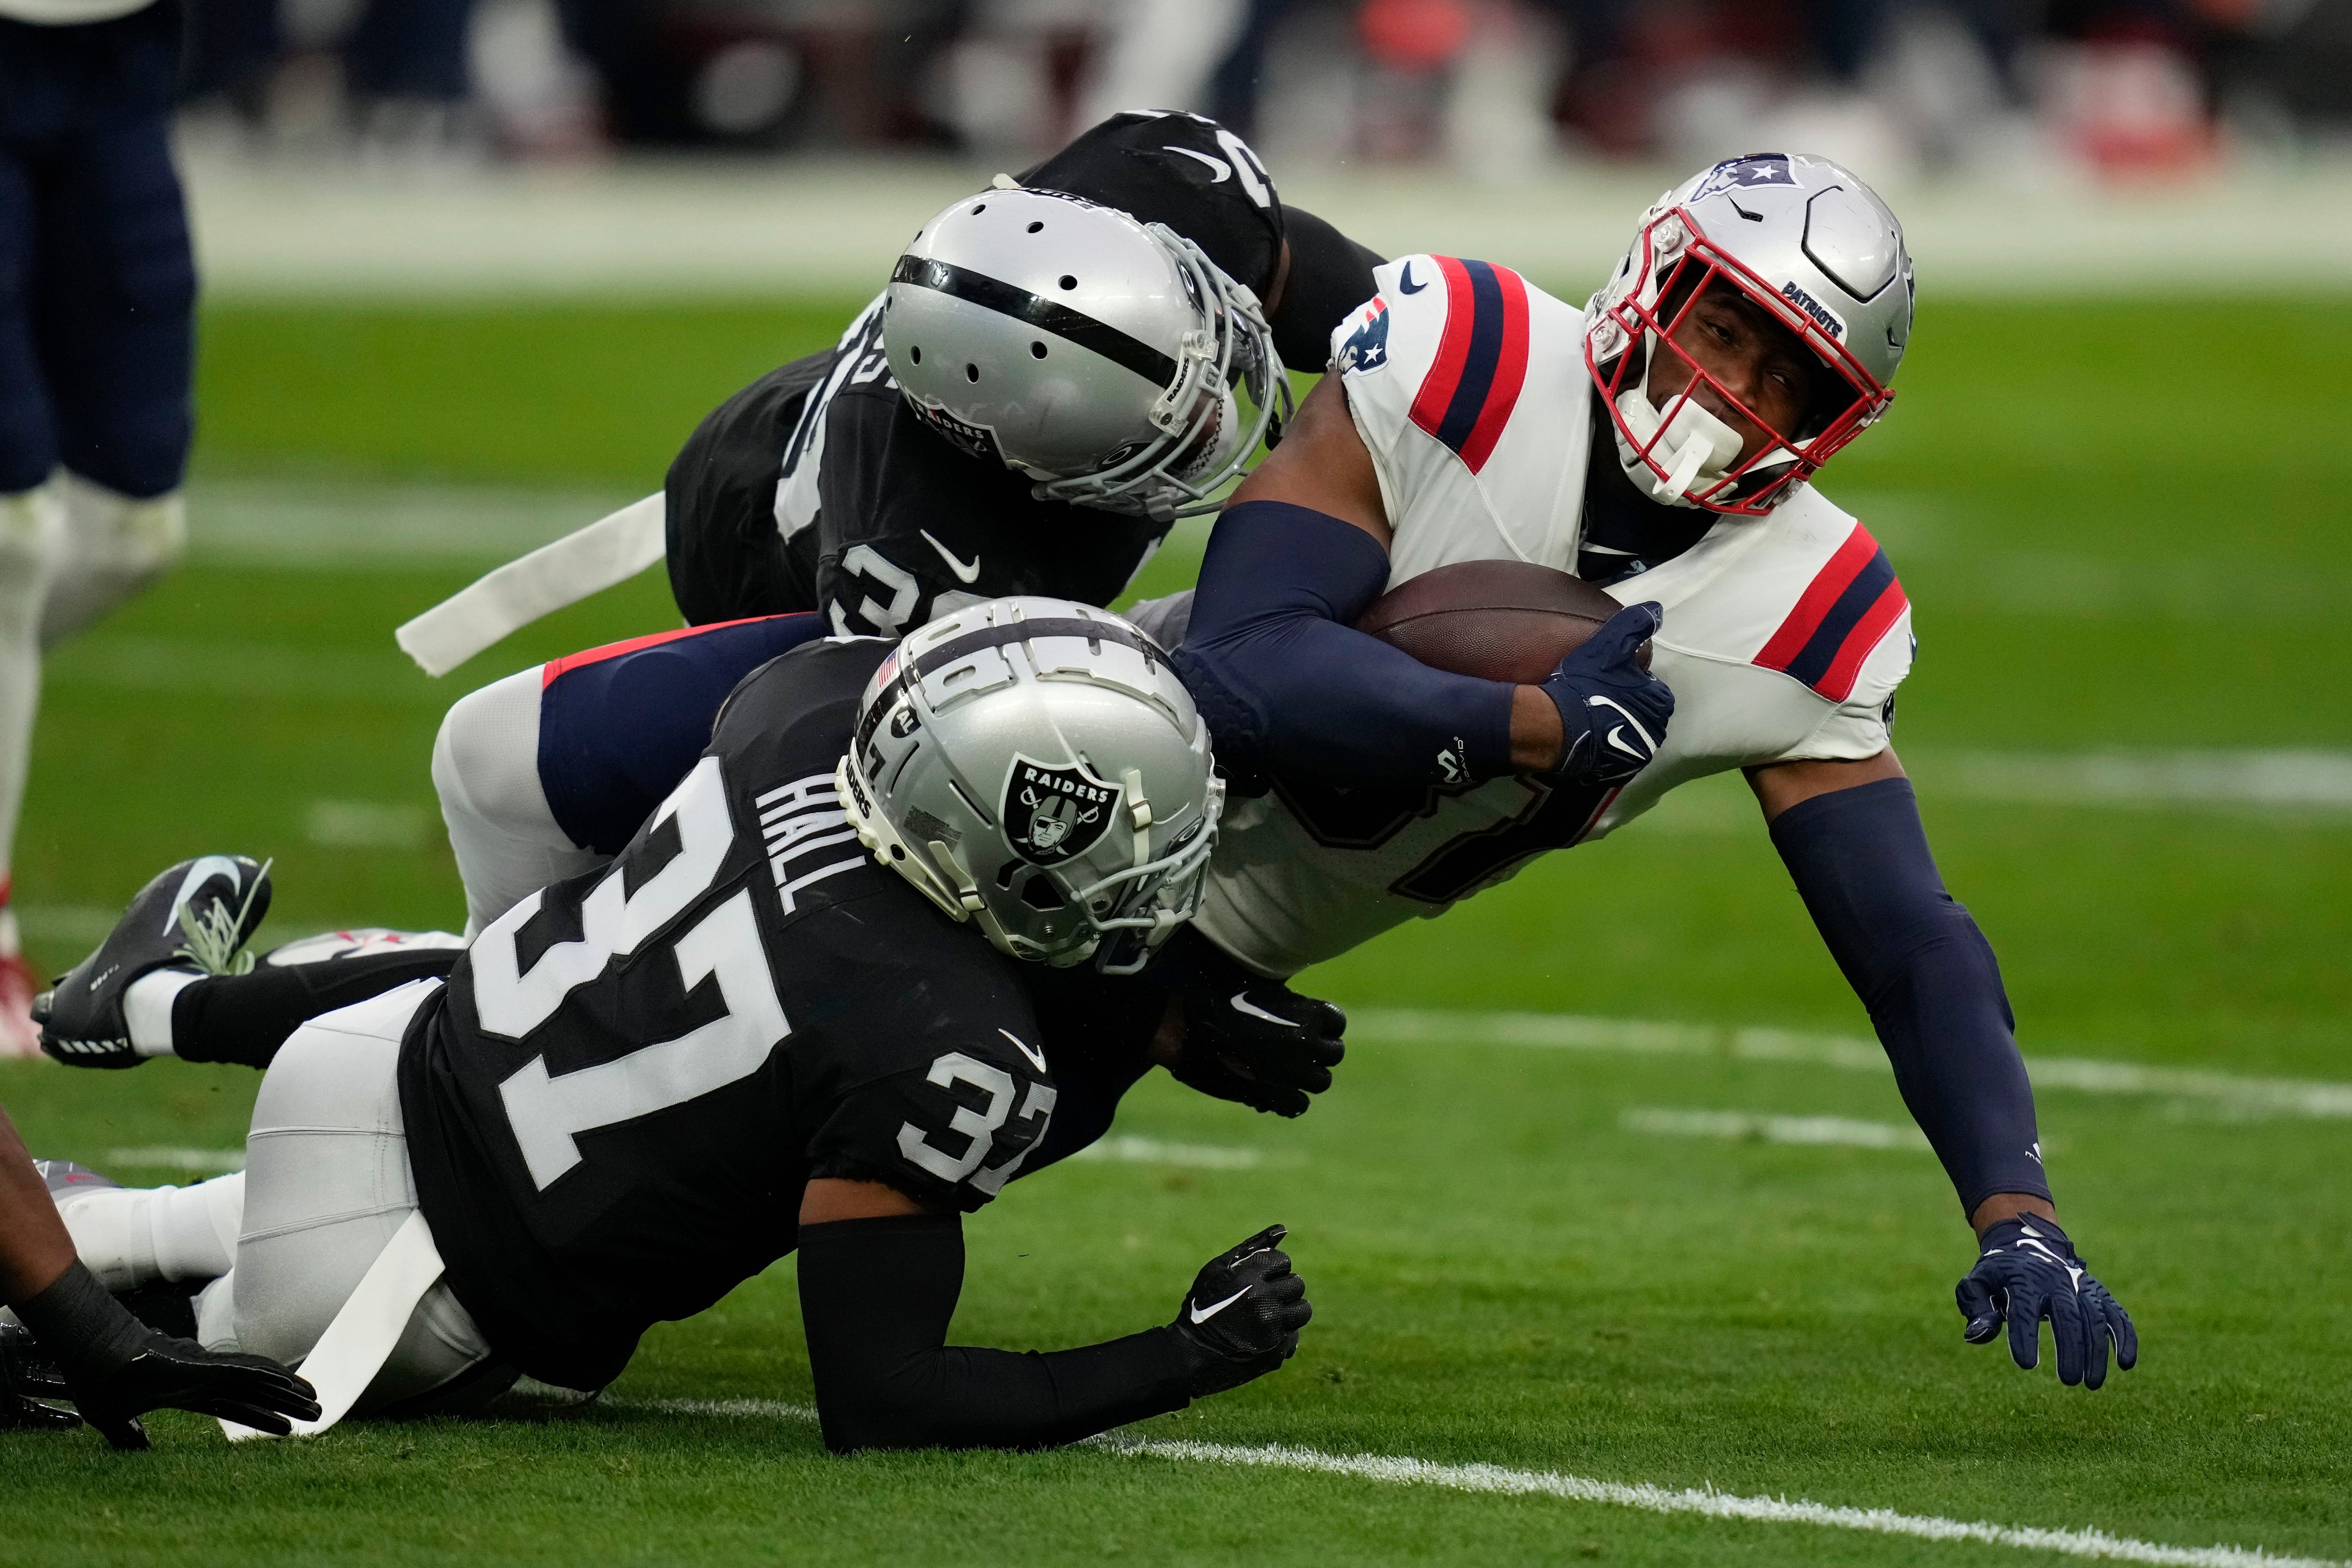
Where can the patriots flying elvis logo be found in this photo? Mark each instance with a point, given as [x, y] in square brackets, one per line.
[1755, 169]
[1367, 347]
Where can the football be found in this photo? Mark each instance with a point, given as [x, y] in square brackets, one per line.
[1498, 620]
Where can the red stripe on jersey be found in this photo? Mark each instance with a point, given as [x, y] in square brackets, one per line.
[1837, 682]
[1444, 372]
[1510, 373]
[1466, 396]
[556, 667]
[1831, 580]
[1841, 616]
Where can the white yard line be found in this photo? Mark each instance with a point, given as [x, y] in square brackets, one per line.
[1205, 1156]
[2089, 1075]
[1747, 1125]
[1395, 1469]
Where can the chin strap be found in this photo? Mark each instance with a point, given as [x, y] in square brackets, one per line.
[1693, 447]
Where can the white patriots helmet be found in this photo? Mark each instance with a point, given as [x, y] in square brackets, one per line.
[1094, 354]
[1034, 765]
[1816, 249]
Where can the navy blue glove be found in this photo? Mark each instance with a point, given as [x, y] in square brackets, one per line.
[1613, 712]
[2029, 1271]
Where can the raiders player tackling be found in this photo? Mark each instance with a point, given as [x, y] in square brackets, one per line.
[1043, 386]
[1659, 443]
[746, 1036]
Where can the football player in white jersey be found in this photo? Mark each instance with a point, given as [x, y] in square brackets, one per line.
[1659, 443]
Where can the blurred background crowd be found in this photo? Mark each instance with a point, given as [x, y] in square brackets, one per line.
[1997, 89]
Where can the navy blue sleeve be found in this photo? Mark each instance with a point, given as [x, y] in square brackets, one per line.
[1290, 688]
[1928, 978]
[620, 726]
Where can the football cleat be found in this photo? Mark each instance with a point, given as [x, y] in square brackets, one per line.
[200, 914]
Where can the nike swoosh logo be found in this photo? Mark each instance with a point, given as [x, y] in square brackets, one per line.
[207, 866]
[963, 573]
[1221, 170]
[1635, 724]
[1242, 1004]
[1201, 1314]
[1036, 1058]
[1405, 285]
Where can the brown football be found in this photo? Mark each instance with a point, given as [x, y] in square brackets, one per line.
[1498, 620]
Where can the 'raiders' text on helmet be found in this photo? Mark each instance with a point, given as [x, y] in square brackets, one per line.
[1815, 248]
[1033, 764]
[1093, 352]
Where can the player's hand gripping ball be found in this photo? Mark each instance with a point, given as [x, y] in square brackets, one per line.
[1612, 710]
[2028, 1271]
[1242, 1317]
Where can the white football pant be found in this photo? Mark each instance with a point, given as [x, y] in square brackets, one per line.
[485, 767]
[325, 1187]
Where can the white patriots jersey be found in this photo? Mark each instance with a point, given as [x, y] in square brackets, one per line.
[1784, 639]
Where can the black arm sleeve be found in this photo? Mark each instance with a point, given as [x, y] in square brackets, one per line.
[1288, 685]
[1926, 973]
[876, 1297]
[1331, 275]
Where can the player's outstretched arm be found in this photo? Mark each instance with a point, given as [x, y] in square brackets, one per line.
[83, 1347]
[879, 1277]
[1288, 685]
[1849, 835]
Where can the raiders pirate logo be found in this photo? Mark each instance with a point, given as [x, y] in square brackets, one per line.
[1054, 814]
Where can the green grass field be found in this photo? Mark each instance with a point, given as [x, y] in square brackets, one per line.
[2122, 525]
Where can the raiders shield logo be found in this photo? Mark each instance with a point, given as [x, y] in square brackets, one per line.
[1053, 813]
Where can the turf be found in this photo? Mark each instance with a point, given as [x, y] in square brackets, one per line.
[2110, 545]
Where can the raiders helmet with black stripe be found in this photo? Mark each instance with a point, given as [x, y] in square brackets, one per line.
[1097, 354]
[1034, 765]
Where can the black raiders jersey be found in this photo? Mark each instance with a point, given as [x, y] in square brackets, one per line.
[816, 487]
[612, 1107]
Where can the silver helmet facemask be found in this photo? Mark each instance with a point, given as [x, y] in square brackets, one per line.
[1093, 352]
[1034, 766]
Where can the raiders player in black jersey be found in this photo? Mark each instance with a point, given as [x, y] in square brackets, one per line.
[897, 522]
[638, 1087]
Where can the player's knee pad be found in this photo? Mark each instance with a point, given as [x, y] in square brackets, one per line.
[115, 547]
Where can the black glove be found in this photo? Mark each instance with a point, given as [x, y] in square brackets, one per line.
[1243, 1318]
[1613, 712]
[1247, 1038]
[27, 1376]
[115, 1368]
[2029, 1271]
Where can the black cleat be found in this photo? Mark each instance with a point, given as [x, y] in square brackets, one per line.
[199, 914]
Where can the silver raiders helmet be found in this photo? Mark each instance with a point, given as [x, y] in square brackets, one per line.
[1094, 354]
[1816, 249]
[1034, 765]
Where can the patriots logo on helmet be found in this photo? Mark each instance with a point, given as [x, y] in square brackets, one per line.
[1054, 814]
[1755, 169]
